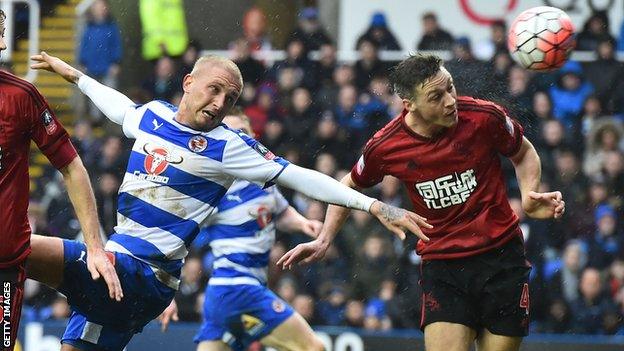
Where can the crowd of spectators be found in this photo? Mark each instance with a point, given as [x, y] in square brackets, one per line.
[319, 113]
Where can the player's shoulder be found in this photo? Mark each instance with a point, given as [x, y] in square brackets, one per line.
[159, 107]
[469, 107]
[20, 88]
[384, 135]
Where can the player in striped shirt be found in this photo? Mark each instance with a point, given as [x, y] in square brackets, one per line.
[181, 165]
[241, 234]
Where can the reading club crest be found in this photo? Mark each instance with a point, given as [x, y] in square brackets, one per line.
[158, 159]
[198, 143]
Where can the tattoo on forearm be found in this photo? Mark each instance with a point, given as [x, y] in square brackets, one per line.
[391, 213]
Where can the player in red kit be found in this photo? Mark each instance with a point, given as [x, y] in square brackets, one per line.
[446, 151]
[25, 116]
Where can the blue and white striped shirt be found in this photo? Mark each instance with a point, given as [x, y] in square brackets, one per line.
[241, 234]
[175, 178]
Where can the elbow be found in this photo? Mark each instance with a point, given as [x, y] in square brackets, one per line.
[74, 168]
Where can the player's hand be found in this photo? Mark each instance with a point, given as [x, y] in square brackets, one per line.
[100, 266]
[397, 220]
[305, 253]
[312, 228]
[170, 313]
[544, 205]
[55, 65]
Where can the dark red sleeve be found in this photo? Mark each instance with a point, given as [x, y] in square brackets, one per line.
[48, 133]
[368, 170]
[505, 132]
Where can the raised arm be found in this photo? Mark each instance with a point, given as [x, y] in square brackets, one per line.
[323, 188]
[528, 172]
[112, 103]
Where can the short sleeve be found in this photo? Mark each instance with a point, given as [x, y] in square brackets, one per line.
[505, 132]
[48, 133]
[245, 158]
[368, 170]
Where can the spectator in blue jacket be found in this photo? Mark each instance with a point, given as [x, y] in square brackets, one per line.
[607, 243]
[569, 94]
[101, 47]
[100, 50]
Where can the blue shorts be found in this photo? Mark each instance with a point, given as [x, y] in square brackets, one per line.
[98, 322]
[241, 314]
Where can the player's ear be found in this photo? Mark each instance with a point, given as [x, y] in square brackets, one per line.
[408, 104]
[186, 83]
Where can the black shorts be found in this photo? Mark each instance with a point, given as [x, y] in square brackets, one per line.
[489, 290]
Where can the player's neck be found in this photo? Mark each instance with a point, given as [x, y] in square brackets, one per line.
[422, 127]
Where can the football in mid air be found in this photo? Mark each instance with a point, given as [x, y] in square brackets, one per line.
[541, 38]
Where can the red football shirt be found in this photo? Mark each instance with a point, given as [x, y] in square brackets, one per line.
[24, 116]
[454, 179]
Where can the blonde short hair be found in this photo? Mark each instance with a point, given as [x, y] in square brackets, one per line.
[221, 61]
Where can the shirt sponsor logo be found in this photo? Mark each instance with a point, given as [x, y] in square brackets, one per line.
[198, 143]
[48, 122]
[448, 190]
[156, 162]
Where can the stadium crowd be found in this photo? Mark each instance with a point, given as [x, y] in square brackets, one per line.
[319, 113]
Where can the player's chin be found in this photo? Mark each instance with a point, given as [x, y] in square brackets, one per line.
[450, 119]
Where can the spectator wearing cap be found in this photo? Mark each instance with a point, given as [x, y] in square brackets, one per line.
[569, 93]
[379, 32]
[434, 37]
[309, 30]
[607, 243]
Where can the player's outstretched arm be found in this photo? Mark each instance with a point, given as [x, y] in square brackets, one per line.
[529, 171]
[112, 103]
[326, 189]
[81, 196]
[291, 221]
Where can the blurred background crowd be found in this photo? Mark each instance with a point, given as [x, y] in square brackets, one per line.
[318, 112]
